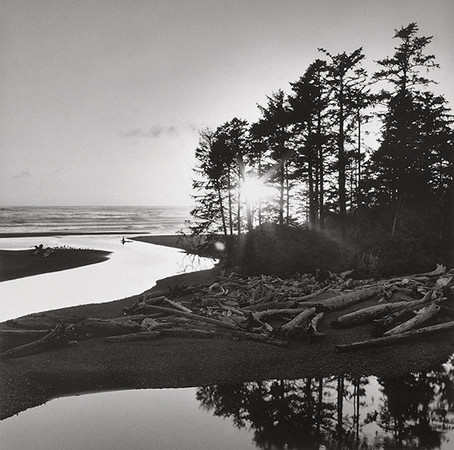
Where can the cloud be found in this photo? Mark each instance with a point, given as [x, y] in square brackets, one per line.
[154, 132]
[22, 174]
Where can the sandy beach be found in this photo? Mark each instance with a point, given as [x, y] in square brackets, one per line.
[95, 365]
[17, 264]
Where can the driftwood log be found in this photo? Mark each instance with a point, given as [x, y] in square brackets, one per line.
[370, 313]
[398, 338]
[230, 325]
[299, 322]
[345, 300]
[422, 316]
[56, 338]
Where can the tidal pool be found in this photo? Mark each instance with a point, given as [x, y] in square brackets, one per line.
[131, 269]
[338, 412]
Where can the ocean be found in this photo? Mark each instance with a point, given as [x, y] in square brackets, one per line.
[93, 219]
[131, 268]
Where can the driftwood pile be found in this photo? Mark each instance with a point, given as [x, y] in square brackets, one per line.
[265, 309]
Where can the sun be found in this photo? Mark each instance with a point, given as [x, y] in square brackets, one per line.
[254, 190]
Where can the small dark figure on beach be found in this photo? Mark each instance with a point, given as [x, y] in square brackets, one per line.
[38, 249]
[123, 240]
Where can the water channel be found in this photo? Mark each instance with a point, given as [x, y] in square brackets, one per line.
[131, 269]
[415, 411]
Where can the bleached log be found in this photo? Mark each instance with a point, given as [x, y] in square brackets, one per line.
[370, 313]
[133, 337]
[300, 321]
[192, 316]
[398, 338]
[177, 305]
[423, 316]
[345, 300]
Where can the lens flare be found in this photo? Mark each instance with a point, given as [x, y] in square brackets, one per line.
[254, 190]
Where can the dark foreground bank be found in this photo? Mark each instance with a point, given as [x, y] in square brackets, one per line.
[95, 365]
[24, 263]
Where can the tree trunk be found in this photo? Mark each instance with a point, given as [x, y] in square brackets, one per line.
[229, 194]
[221, 207]
[342, 163]
[281, 195]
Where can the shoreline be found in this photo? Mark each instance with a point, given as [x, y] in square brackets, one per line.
[67, 233]
[95, 365]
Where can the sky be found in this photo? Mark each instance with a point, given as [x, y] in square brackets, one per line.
[101, 101]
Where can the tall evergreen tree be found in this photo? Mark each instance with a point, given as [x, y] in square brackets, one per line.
[402, 164]
[344, 76]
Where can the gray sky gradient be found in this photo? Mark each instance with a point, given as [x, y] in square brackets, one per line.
[101, 100]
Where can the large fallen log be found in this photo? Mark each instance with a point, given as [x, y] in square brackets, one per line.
[345, 300]
[230, 325]
[422, 316]
[398, 338]
[100, 327]
[300, 321]
[370, 313]
[56, 338]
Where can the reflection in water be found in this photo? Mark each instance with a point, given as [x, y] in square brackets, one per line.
[414, 411]
[340, 412]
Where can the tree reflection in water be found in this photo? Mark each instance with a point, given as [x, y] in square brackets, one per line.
[413, 411]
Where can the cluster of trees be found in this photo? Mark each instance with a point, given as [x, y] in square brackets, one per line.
[310, 147]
